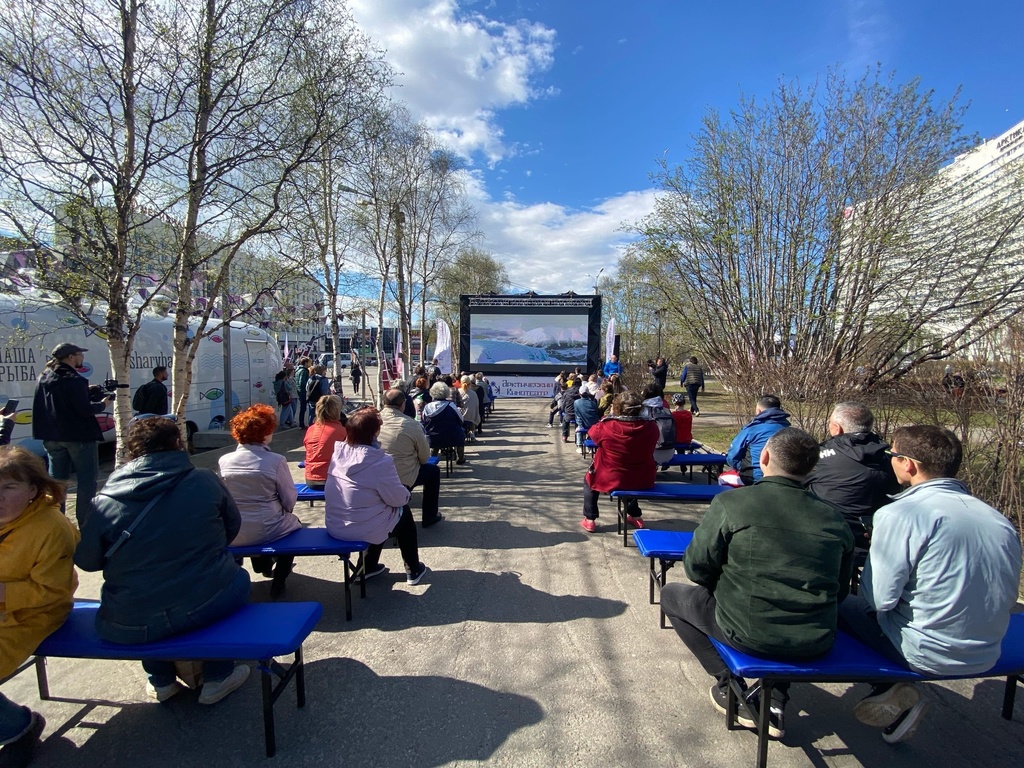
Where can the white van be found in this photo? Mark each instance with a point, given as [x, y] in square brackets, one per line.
[31, 327]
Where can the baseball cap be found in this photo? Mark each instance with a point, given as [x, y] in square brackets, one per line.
[63, 350]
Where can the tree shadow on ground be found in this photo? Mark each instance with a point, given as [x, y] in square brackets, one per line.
[450, 597]
[352, 716]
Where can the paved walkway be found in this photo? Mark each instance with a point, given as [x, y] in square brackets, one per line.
[529, 643]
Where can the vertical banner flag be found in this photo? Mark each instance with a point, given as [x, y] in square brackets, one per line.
[399, 362]
[609, 341]
[287, 354]
[443, 347]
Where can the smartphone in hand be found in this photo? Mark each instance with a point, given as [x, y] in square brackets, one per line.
[10, 408]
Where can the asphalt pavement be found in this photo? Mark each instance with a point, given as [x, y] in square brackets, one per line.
[529, 643]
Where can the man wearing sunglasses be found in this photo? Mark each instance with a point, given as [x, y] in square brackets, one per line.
[941, 577]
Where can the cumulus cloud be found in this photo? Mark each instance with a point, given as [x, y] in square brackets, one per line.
[457, 68]
[550, 248]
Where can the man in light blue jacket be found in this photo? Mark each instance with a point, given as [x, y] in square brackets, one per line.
[941, 577]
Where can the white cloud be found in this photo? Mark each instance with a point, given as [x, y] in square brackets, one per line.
[868, 29]
[550, 248]
[457, 68]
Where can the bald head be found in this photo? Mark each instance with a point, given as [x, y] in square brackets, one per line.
[395, 398]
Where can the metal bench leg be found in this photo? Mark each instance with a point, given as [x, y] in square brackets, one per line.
[347, 561]
[762, 723]
[1009, 695]
[266, 678]
[41, 681]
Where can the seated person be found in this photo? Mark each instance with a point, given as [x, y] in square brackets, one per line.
[604, 400]
[624, 457]
[941, 579]
[174, 573]
[326, 431]
[404, 440]
[442, 422]
[366, 500]
[37, 581]
[586, 416]
[769, 565]
[261, 485]
[470, 407]
[420, 396]
[683, 419]
[854, 471]
[655, 410]
[745, 450]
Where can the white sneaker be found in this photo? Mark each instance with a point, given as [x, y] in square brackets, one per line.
[164, 692]
[215, 691]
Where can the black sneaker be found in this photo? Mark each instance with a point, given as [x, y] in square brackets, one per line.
[719, 699]
[20, 751]
[413, 577]
[435, 521]
[376, 570]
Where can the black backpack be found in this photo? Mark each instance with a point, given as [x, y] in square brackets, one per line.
[314, 390]
[666, 426]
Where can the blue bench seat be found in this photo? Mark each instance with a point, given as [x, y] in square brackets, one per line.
[680, 492]
[258, 631]
[663, 549]
[851, 661]
[711, 462]
[308, 494]
[315, 541]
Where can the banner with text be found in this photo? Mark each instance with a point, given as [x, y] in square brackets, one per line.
[522, 386]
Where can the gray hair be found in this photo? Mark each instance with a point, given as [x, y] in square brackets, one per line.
[853, 417]
[440, 391]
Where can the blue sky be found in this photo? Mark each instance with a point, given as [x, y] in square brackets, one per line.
[563, 107]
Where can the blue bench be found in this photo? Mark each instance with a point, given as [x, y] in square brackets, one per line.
[308, 494]
[681, 492]
[712, 462]
[315, 541]
[258, 631]
[850, 661]
[664, 549]
[689, 447]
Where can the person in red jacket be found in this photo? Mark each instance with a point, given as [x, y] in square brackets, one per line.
[624, 457]
[683, 418]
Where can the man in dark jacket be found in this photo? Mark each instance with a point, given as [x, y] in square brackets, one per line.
[744, 452]
[660, 372]
[769, 566]
[568, 408]
[853, 472]
[64, 418]
[152, 397]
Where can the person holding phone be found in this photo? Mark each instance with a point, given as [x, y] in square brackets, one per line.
[7, 422]
[64, 417]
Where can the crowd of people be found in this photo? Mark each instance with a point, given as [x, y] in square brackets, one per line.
[850, 533]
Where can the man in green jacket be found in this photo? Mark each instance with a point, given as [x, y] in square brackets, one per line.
[769, 565]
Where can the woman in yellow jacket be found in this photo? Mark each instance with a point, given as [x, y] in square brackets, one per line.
[37, 581]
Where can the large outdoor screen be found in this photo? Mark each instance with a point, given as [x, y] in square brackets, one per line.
[529, 334]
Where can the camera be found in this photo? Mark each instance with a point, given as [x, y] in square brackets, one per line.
[111, 385]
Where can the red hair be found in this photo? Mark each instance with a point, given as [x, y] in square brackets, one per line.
[254, 425]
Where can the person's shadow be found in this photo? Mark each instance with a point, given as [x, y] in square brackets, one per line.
[352, 716]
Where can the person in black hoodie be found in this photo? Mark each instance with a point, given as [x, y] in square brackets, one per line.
[568, 406]
[853, 471]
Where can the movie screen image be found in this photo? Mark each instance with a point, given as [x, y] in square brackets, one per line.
[530, 339]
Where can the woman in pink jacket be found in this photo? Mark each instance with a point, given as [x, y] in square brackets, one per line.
[365, 498]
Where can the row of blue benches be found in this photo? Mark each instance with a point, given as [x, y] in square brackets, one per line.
[849, 661]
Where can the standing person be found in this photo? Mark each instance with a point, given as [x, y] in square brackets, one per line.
[366, 501]
[356, 374]
[941, 579]
[692, 379]
[318, 386]
[624, 457]
[174, 573]
[744, 454]
[152, 397]
[326, 431]
[660, 372]
[301, 379]
[612, 366]
[284, 391]
[769, 565]
[37, 581]
[261, 485]
[64, 418]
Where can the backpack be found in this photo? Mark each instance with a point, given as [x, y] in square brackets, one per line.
[666, 426]
[283, 398]
[313, 388]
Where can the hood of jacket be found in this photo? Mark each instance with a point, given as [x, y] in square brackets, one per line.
[771, 416]
[865, 448]
[143, 478]
[434, 407]
[653, 402]
[356, 460]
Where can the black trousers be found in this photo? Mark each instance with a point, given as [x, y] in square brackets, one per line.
[408, 543]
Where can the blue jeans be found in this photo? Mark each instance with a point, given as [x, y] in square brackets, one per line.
[84, 460]
[691, 393]
[14, 719]
[287, 414]
[303, 409]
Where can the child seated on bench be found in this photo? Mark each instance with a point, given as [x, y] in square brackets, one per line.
[159, 531]
[37, 581]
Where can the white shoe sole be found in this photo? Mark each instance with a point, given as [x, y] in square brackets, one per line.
[222, 689]
[881, 711]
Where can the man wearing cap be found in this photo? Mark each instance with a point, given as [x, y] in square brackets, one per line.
[64, 418]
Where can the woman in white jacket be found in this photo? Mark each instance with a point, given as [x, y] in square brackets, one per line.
[365, 498]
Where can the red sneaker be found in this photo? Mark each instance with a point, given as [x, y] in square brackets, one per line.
[589, 525]
[636, 522]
